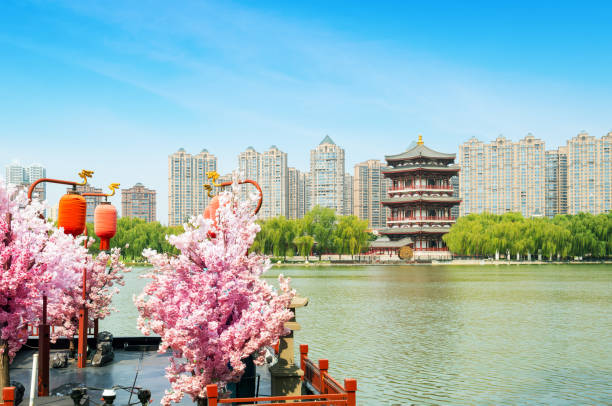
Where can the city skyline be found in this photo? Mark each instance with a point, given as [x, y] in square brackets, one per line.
[139, 82]
[349, 170]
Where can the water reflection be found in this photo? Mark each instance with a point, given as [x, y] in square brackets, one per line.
[455, 335]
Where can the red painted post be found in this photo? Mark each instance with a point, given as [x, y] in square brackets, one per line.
[83, 322]
[44, 346]
[8, 394]
[303, 356]
[212, 393]
[350, 386]
[323, 367]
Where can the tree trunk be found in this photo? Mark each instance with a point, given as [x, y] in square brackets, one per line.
[5, 379]
[202, 402]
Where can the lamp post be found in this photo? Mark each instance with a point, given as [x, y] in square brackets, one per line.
[43, 329]
[83, 313]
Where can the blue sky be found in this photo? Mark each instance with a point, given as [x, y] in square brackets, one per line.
[116, 86]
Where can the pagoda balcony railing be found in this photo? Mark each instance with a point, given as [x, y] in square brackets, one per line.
[424, 218]
[422, 187]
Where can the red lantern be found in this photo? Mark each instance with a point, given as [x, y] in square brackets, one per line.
[71, 213]
[105, 223]
[211, 213]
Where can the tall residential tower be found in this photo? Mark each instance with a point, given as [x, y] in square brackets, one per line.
[327, 176]
[140, 202]
[369, 189]
[186, 179]
[502, 176]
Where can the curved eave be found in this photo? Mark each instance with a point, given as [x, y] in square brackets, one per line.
[419, 152]
[447, 169]
[404, 200]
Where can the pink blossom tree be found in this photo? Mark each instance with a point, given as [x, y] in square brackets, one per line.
[38, 260]
[35, 260]
[104, 275]
[208, 304]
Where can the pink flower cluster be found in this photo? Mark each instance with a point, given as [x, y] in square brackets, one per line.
[38, 260]
[208, 304]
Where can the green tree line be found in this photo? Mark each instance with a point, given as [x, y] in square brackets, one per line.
[138, 235]
[321, 231]
[564, 236]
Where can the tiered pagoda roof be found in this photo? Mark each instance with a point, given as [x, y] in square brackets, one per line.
[419, 151]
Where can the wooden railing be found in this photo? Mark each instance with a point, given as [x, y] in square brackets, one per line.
[423, 218]
[422, 187]
[33, 331]
[327, 390]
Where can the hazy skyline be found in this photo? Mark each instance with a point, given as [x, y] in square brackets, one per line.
[116, 87]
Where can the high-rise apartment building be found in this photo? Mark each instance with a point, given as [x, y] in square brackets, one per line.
[347, 199]
[24, 176]
[297, 193]
[186, 179]
[562, 196]
[369, 189]
[274, 182]
[328, 176]
[502, 176]
[249, 164]
[92, 201]
[552, 183]
[140, 202]
[307, 192]
[270, 170]
[589, 174]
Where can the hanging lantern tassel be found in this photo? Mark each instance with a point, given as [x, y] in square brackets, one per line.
[105, 224]
[71, 213]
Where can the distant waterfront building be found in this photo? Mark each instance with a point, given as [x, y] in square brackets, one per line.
[455, 183]
[297, 193]
[369, 189]
[92, 201]
[274, 182]
[24, 176]
[186, 179]
[53, 211]
[307, 192]
[140, 202]
[249, 164]
[327, 175]
[347, 199]
[270, 170]
[589, 174]
[420, 199]
[502, 176]
[552, 183]
[562, 196]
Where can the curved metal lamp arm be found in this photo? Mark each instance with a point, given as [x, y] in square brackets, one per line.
[213, 176]
[113, 187]
[84, 174]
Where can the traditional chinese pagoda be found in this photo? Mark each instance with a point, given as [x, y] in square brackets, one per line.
[419, 199]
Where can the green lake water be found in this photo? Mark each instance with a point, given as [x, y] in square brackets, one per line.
[539, 334]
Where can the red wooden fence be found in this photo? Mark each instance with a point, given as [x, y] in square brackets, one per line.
[330, 391]
[8, 394]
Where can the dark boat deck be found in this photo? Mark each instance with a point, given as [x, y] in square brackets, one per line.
[119, 372]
